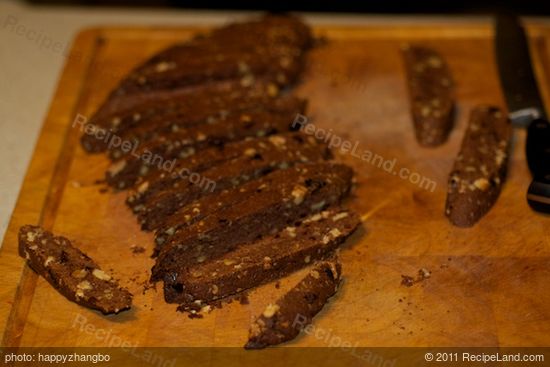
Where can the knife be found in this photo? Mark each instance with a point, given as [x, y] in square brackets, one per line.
[525, 105]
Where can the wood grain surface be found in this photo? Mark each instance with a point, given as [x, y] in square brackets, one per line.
[488, 284]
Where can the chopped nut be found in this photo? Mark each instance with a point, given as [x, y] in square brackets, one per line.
[482, 184]
[228, 262]
[318, 205]
[339, 216]
[79, 274]
[424, 274]
[500, 155]
[143, 170]
[31, 236]
[214, 289]
[270, 310]
[291, 231]
[247, 80]
[425, 111]
[143, 187]
[164, 66]
[307, 259]
[314, 218]
[277, 140]
[49, 260]
[115, 121]
[335, 232]
[100, 274]
[299, 193]
[250, 152]
[272, 90]
[84, 285]
[315, 274]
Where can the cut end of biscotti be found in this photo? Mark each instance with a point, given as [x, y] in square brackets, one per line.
[71, 272]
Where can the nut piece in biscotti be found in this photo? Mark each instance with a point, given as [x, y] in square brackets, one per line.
[307, 189]
[71, 272]
[480, 167]
[265, 260]
[283, 320]
[430, 93]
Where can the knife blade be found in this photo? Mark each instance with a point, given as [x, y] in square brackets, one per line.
[525, 105]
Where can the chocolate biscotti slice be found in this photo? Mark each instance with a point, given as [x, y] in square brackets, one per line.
[429, 83]
[480, 167]
[116, 118]
[268, 259]
[162, 153]
[161, 180]
[272, 47]
[71, 272]
[283, 320]
[309, 189]
[279, 152]
[190, 116]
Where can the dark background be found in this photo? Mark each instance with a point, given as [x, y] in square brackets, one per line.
[525, 7]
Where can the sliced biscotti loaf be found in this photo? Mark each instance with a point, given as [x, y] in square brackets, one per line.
[162, 152]
[283, 320]
[71, 272]
[208, 205]
[430, 92]
[272, 47]
[480, 167]
[140, 111]
[268, 259]
[160, 180]
[189, 116]
[309, 189]
[281, 153]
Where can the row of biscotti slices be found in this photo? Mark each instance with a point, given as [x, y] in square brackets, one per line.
[258, 208]
[274, 153]
[249, 58]
[211, 107]
[166, 148]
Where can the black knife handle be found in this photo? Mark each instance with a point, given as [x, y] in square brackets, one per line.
[538, 159]
[538, 149]
[538, 195]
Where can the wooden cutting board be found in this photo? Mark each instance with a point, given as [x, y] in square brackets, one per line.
[488, 285]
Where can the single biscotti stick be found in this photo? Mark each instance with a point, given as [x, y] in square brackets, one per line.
[480, 167]
[430, 92]
[71, 272]
[285, 319]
